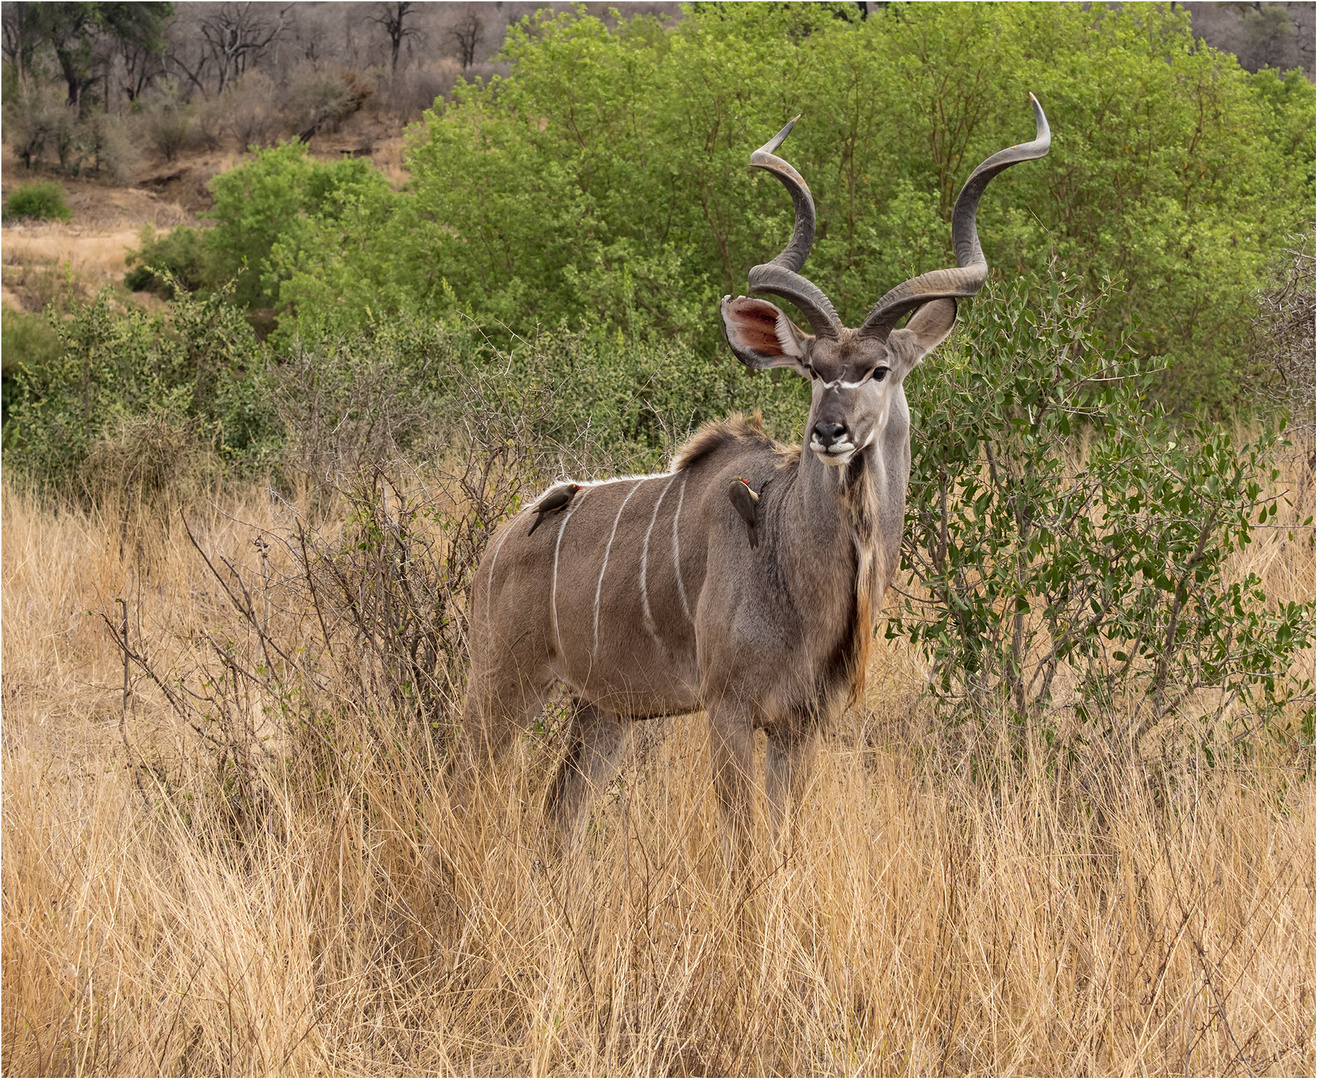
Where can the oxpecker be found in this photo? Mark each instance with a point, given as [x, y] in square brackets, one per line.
[552, 502]
[744, 498]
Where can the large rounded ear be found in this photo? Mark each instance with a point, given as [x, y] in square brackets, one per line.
[923, 332]
[761, 336]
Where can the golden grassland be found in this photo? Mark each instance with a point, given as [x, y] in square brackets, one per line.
[946, 902]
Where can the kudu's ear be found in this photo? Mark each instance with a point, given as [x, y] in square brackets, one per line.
[923, 332]
[761, 336]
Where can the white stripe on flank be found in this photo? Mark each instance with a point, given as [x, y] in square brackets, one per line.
[553, 588]
[677, 556]
[645, 555]
[489, 582]
[621, 479]
[599, 585]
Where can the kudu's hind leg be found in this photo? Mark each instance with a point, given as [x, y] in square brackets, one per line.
[500, 705]
[596, 741]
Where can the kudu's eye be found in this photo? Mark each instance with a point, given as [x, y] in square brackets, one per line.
[810, 371]
[879, 373]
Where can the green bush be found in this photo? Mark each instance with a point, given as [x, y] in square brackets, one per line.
[280, 197]
[202, 361]
[42, 201]
[26, 341]
[1074, 545]
[180, 259]
[604, 182]
[276, 197]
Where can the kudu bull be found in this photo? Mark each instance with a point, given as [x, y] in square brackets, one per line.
[643, 594]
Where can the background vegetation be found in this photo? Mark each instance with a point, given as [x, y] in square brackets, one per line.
[600, 185]
[1070, 828]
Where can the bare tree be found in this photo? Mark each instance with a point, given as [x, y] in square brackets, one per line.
[21, 34]
[394, 19]
[237, 35]
[141, 66]
[466, 35]
[187, 55]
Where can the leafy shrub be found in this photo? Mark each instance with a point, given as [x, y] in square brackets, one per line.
[28, 341]
[1074, 545]
[180, 259]
[602, 183]
[203, 361]
[279, 195]
[43, 201]
[282, 196]
[616, 156]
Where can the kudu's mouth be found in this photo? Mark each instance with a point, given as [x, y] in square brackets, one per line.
[838, 454]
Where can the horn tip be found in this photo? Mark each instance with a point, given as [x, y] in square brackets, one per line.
[1043, 133]
[772, 145]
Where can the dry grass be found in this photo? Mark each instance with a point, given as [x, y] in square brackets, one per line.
[993, 913]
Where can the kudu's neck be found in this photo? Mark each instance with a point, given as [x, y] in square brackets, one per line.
[830, 524]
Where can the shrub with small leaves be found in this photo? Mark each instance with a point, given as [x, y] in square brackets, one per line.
[42, 201]
[203, 360]
[178, 259]
[1075, 546]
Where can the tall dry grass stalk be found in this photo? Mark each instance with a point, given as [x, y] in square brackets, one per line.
[989, 911]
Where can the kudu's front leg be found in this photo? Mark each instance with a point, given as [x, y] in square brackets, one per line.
[731, 744]
[787, 760]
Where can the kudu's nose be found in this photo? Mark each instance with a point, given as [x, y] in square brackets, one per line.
[828, 434]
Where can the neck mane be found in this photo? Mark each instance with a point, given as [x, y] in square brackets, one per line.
[851, 491]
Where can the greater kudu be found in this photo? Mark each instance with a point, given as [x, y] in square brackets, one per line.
[643, 594]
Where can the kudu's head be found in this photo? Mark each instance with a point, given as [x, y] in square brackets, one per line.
[856, 373]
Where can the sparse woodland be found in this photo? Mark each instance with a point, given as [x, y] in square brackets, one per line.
[393, 268]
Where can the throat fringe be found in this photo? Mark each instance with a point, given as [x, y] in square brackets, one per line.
[861, 503]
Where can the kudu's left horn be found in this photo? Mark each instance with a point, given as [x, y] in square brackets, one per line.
[971, 271]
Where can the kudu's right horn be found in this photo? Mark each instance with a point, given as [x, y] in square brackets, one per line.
[971, 271]
[780, 275]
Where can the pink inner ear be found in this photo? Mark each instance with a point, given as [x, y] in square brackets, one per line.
[755, 324]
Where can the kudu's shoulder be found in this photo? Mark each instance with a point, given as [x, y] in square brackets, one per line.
[737, 434]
